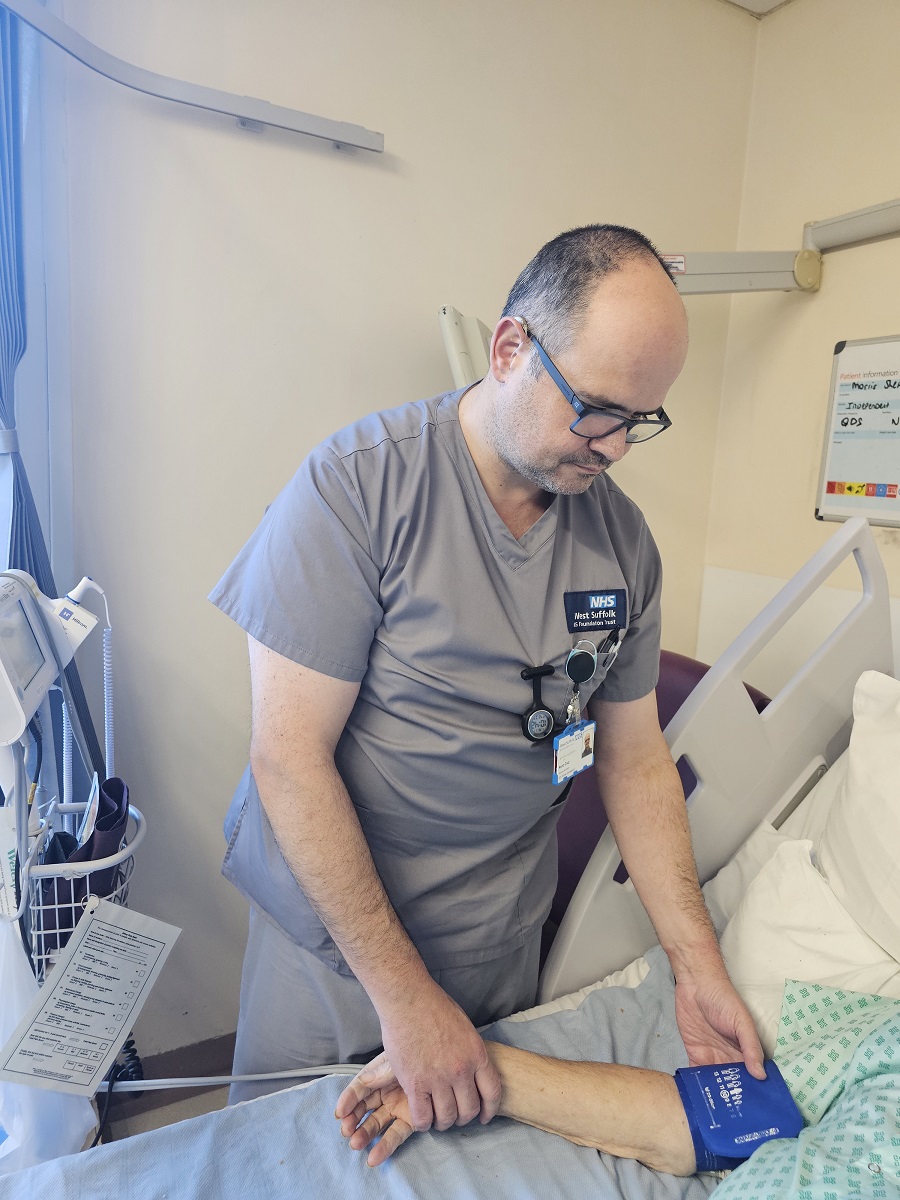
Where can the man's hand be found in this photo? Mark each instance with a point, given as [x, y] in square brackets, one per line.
[376, 1092]
[715, 1024]
[439, 1060]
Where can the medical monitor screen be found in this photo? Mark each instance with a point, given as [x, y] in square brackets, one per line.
[20, 644]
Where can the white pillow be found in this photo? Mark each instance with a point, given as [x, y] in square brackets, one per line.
[860, 848]
[790, 925]
[724, 892]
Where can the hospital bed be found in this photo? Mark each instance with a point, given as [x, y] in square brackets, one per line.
[801, 885]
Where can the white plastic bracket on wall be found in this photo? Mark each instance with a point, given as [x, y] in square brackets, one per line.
[849, 229]
[746, 271]
[783, 270]
[249, 112]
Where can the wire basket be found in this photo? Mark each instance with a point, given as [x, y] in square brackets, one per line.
[58, 893]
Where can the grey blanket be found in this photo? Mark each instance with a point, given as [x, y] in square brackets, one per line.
[288, 1146]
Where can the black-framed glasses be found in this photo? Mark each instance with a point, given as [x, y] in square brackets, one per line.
[592, 421]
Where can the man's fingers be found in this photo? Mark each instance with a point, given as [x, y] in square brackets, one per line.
[468, 1102]
[752, 1051]
[713, 1049]
[706, 1058]
[420, 1110]
[756, 1067]
[487, 1080]
[718, 1050]
[443, 1102]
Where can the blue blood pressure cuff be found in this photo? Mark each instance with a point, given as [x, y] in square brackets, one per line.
[730, 1112]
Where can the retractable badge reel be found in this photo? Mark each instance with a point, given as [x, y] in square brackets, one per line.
[580, 667]
[573, 749]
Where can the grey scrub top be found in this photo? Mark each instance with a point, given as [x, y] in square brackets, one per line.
[384, 562]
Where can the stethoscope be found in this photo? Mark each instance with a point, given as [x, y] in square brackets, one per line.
[538, 721]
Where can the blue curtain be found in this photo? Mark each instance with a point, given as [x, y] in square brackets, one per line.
[25, 548]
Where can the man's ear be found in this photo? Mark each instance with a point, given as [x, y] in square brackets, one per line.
[509, 347]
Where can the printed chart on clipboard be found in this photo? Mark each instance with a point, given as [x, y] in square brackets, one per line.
[860, 475]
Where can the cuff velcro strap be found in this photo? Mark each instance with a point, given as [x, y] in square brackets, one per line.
[730, 1113]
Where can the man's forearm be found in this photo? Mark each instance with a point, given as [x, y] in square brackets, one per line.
[318, 832]
[626, 1111]
[648, 816]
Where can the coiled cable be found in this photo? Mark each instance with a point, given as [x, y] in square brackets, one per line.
[66, 755]
[108, 699]
[127, 1068]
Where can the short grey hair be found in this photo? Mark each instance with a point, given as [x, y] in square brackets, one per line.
[554, 290]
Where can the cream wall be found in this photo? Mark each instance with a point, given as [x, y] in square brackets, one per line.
[235, 297]
[823, 141]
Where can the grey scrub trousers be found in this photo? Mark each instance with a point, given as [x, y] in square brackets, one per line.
[383, 562]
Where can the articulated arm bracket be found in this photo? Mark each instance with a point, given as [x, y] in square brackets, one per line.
[788, 270]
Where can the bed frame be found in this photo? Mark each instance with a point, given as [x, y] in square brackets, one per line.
[749, 766]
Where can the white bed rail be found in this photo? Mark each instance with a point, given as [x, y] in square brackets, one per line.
[745, 762]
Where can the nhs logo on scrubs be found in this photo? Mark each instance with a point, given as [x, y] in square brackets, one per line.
[603, 609]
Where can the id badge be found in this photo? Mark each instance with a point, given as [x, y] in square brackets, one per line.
[573, 750]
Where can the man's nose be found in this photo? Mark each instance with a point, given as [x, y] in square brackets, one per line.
[612, 445]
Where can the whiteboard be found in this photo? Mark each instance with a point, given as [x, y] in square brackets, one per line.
[860, 475]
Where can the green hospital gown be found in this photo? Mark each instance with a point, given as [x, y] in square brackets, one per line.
[839, 1053]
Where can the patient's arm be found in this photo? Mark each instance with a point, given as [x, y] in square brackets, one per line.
[626, 1111]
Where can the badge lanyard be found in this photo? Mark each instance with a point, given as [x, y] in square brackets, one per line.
[580, 667]
[573, 747]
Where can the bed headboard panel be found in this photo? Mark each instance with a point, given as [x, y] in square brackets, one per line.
[745, 761]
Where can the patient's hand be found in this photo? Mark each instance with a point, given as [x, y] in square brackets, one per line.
[376, 1092]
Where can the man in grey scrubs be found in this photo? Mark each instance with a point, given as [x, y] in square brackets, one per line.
[394, 830]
